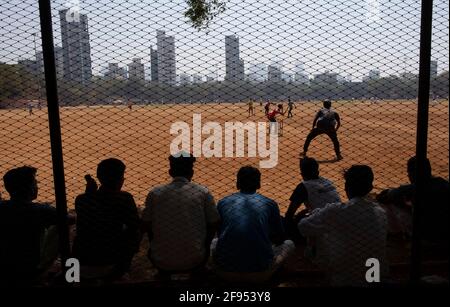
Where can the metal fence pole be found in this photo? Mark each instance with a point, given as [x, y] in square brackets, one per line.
[54, 125]
[421, 135]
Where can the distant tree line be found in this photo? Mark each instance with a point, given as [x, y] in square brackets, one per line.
[16, 83]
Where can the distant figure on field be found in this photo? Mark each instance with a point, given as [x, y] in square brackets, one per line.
[327, 121]
[250, 246]
[267, 108]
[181, 220]
[352, 232]
[130, 105]
[30, 108]
[251, 108]
[108, 224]
[291, 106]
[272, 117]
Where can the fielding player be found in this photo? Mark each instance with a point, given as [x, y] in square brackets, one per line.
[327, 121]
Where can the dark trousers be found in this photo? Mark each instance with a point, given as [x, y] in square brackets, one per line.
[316, 132]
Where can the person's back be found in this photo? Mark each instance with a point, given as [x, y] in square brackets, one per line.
[357, 232]
[244, 240]
[178, 212]
[106, 224]
[436, 212]
[107, 221]
[352, 232]
[181, 219]
[326, 119]
[22, 226]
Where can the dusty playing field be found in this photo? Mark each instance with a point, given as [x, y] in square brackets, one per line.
[381, 135]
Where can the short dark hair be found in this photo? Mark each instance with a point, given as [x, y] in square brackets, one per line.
[248, 179]
[181, 164]
[327, 104]
[110, 171]
[411, 165]
[309, 168]
[19, 181]
[359, 180]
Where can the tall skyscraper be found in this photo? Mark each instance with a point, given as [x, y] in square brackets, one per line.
[257, 72]
[433, 69]
[116, 72]
[76, 48]
[154, 64]
[300, 77]
[166, 58]
[234, 66]
[274, 73]
[59, 62]
[136, 70]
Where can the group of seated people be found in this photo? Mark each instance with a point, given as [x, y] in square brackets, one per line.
[242, 238]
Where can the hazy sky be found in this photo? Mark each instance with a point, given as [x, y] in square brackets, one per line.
[348, 37]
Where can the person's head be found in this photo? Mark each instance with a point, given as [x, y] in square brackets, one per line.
[358, 181]
[21, 183]
[280, 106]
[110, 173]
[327, 104]
[309, 168]
[182, 165]
[248, 179]
[412, 169]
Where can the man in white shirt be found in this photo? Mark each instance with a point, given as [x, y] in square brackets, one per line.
[181, 219]
[354, 231]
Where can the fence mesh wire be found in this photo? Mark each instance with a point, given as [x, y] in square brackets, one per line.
[127, 71]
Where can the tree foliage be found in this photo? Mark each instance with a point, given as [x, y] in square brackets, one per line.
[202, 12]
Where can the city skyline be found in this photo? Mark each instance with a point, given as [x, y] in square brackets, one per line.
[349, 43]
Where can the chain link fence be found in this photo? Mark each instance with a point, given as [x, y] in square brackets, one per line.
[136, 79]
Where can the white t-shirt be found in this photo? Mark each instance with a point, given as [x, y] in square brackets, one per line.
[353, 232]
[179, 213]
[321, 191]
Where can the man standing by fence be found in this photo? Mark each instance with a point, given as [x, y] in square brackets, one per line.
[327, 121]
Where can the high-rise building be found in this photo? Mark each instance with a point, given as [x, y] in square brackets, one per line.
[75, 47]
[274, 73]
[300, 76]
[116, 72]
[433, 69]
[197, 78]
[59, 62]
[257, 73]
[185, 79]
[234, 66]
[136, 70]
[154, 64]
[166, 58]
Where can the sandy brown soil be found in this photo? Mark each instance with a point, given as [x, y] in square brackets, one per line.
[381, 135]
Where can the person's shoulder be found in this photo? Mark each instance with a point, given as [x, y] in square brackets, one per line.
[440, 181]
[266, 200]
[228, 199]
[199, 187]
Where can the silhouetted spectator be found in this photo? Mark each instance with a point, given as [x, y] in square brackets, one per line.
[434, 215]
[181, 219]
[107, 235]
[352, 232]
[314, 192]
[250, 245]
[28, 238]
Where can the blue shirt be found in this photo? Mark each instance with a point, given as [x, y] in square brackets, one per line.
[248, 222]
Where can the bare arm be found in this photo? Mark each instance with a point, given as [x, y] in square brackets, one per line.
[338, 121]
